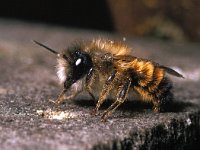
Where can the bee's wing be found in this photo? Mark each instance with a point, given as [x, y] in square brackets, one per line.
[129, 58]
[171, 71]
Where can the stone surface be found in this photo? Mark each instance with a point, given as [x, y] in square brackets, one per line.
[28, 81]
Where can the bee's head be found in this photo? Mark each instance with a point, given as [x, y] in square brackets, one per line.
[73, 64]
[78, 64]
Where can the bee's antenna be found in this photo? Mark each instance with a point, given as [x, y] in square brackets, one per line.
[51, 50]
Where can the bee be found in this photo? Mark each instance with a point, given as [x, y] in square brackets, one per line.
[108, 67]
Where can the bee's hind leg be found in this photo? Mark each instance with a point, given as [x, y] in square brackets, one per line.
[121, 97]
[156, 105]
[162, 102]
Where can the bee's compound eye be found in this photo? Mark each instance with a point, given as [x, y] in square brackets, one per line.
[78, 61]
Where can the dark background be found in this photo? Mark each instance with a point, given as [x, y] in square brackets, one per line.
[91, 14]
[176, 20]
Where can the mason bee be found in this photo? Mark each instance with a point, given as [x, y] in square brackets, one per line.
[109, 68]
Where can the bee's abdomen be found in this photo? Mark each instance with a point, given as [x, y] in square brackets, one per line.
[146, 75]
[160, 86]
[150, 82]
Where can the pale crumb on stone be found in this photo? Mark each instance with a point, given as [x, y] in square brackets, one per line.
[188, 122]
[40, 112]
[5, 91]
[56, 114]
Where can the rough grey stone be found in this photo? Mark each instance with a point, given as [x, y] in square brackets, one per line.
[28, 80]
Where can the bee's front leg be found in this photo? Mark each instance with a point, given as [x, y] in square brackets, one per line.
[90, 78]
[60, 98]
[72, 92]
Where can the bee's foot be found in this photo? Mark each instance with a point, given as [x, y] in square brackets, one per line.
[104, 118]
[57, 101]
[94, 112]
[156, 109]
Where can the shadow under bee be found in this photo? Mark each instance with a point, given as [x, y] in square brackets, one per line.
[138, 105]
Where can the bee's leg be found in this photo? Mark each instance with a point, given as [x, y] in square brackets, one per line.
[60, 98]
[90, 78]
[162, 104]
[74, 90]
[121, 97]
[164, 99]
[104, 93]
[156, 105]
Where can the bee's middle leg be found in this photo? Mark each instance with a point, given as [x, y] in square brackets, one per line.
[105, 92]
[121, 97]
